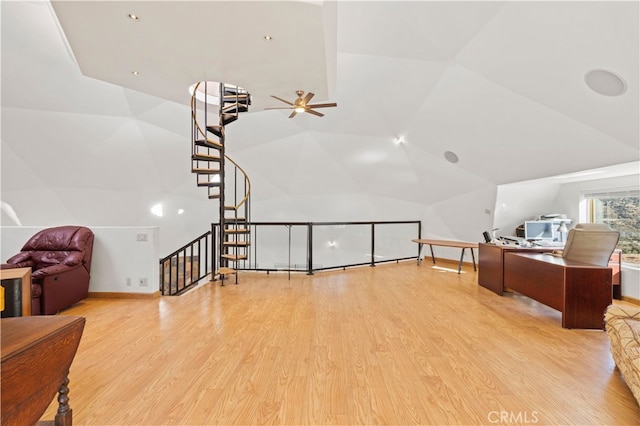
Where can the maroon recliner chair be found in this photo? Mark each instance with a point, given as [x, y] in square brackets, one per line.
[60, 262]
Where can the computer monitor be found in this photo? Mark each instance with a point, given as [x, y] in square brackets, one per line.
[538, 230]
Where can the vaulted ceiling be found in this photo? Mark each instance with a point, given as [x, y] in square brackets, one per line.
[500, 84]
[494, 82]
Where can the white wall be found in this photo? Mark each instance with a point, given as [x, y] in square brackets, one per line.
[518, 202]
[117, 256]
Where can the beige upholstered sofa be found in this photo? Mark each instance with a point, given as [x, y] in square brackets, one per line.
[622, 324]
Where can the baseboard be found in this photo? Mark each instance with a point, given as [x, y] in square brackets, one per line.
[113, 295]
[630, 300]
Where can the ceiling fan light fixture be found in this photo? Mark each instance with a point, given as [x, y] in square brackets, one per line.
[302, 104]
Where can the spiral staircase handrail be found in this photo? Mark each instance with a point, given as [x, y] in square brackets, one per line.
[204, 134]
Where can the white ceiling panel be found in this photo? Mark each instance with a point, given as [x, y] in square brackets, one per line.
[501, 84]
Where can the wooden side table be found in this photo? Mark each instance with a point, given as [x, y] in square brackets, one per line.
[9, 277]
[37, 352]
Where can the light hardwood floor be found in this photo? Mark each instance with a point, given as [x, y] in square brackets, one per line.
[397, 344]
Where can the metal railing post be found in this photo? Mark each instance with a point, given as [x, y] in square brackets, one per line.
[310, 248]
[373, 244]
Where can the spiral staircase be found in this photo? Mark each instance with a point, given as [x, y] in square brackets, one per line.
[213, 106]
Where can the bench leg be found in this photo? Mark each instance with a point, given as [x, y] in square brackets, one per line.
[461, 258]
[433, 258]
[474, 259]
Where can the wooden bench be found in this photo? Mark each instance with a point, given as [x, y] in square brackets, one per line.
[447, 243]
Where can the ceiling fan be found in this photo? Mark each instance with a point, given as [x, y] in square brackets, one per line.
[302, 104]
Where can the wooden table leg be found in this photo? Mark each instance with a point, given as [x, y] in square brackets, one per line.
[461, 258]
[474, 260]
[64, 416]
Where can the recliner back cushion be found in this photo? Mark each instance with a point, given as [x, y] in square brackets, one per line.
[51, 246]
[59, 238]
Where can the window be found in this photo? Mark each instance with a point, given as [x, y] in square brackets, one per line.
[621, 211]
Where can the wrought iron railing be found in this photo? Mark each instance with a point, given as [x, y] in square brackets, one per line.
[317, 246]
[186, 266]
[300, 247]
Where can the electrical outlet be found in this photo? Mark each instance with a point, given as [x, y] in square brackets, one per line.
[143, 282]
[128, 281]
[142, 236]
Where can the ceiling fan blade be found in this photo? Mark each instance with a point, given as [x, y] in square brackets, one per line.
[293, 114]
[310, 111]
[322, 105]
[280, 99]
[307, 98]
[278, 108]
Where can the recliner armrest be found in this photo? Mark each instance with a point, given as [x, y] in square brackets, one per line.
[20, 258]
[53, 270]
[25, 264]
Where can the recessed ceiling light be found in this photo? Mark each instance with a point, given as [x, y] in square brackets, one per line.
[398, 140]
[134, 17]
[605, 82]
[268, 38]
[135, 73]
[451, 156]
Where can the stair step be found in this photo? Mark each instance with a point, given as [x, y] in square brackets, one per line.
[216, 130]
[230, 207]
[234, 220]
[234, 257]
[237, 231]
[237, 243]
[205, 157]
[233, 91]
[208, 143]
[203, 171]
[235, 108]
[210, 184]
[214, 196]
[226, 271]
[241, 99]
[228, 118]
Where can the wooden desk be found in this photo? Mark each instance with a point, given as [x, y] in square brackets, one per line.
[581, 291]
[491, 262]
[447, 243]
[37, 352]
[491, 265]
[24, 275]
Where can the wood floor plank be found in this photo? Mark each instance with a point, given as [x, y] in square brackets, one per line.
[395, 344]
